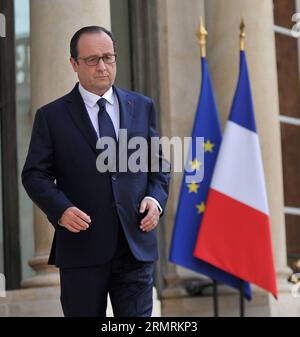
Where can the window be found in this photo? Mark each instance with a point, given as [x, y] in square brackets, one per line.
[288, 57]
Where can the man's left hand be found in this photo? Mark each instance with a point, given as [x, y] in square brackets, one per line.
[150, 221]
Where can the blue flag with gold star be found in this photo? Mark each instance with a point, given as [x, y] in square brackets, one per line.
[193, 195]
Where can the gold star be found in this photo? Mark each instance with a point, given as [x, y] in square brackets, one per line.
[195, 164]
[193, 187]
[208, 146]
[201, 207]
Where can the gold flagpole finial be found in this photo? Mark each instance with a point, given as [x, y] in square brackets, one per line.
[242, 34]
[202, 33]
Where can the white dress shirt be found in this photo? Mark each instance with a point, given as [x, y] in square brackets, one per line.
[112, 107]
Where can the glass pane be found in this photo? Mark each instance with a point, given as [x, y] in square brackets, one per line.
[120, 29]
[288, 75]
[293, 241]
[23, 128]
[290, 138]
[283, 11]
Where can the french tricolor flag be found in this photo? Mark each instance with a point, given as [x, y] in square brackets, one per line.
[235, 230]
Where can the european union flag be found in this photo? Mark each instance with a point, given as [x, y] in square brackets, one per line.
[193, 195]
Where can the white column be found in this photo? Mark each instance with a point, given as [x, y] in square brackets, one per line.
[52, 25]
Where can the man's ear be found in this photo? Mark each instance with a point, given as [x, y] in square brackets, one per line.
[74, 64]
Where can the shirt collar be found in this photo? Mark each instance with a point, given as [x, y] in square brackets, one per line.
[91, 99]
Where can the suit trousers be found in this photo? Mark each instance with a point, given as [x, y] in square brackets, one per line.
[128, 282]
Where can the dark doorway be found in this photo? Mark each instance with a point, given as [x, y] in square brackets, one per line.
[135, 26]
[9, 182]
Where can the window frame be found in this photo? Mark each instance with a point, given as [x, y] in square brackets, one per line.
[283, 118]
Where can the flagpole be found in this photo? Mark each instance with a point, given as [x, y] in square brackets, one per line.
[202, 33]
[242, 34]
[242, 299]
[216, 298]
[242, 287]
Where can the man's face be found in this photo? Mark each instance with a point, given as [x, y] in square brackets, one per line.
[96, 79]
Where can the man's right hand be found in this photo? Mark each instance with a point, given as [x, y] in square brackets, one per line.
[74, 220]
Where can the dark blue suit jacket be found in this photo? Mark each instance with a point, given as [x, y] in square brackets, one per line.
[60, 171]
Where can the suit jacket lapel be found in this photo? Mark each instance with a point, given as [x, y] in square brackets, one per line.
[126, 106]
[81, 118]
[79, 114]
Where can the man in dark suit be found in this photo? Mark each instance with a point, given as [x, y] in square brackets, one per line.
[105, 222]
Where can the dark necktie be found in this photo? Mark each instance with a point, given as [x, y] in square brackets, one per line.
[106, 127]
